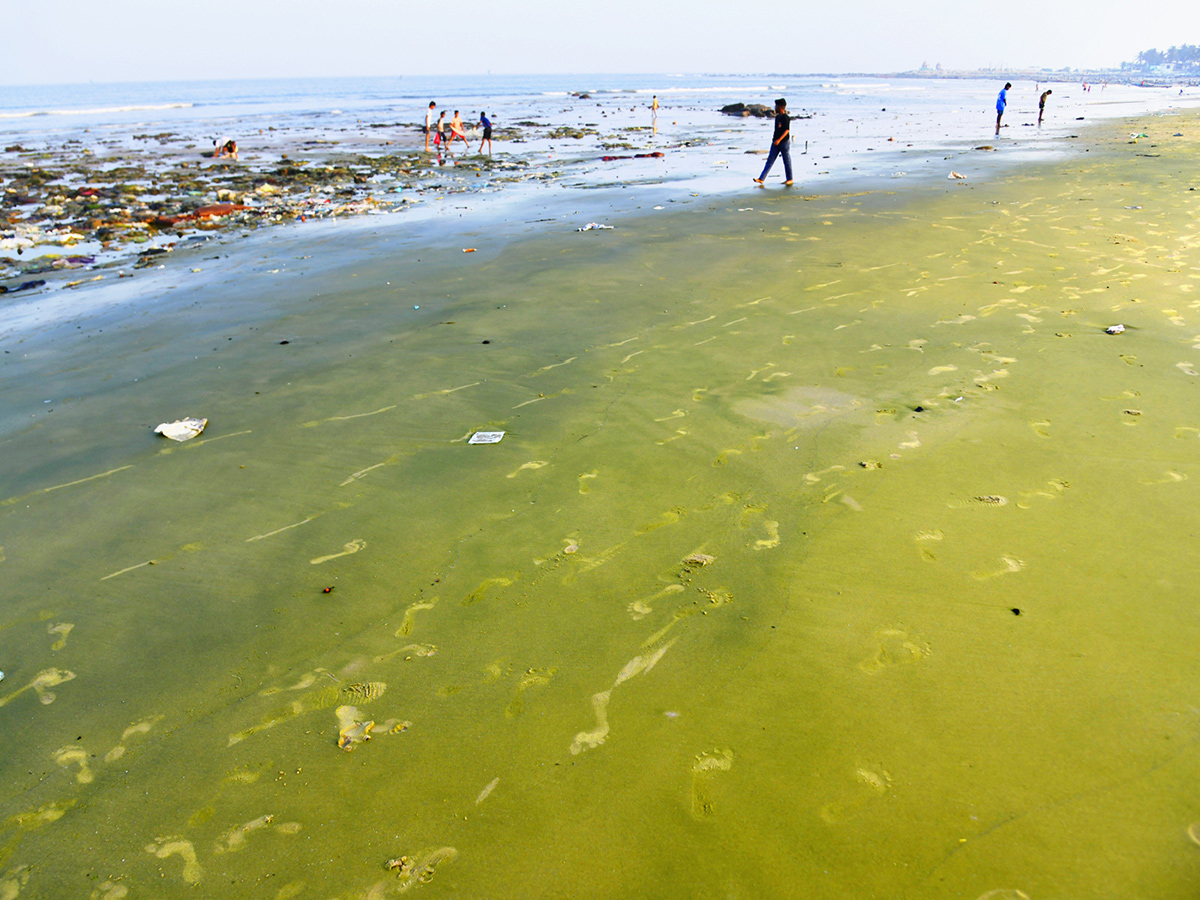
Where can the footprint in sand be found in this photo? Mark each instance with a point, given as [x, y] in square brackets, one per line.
[1056, 488]
[74, 756]
[409, 651]
[1009, 565]
[132, 731]
[589, 740]
[925, 541]
[235, 838]
[164, 847]
[639, 609]
[486, 585]
[110, 890]
[533, 465]
[318, 698]
[406, 624]
[980, 500]
[1172, 478]
[347, 549]
[584, 479]
[1193, 831]
[62, 629]
[704, 769]
[47, 678]
[1041, 428]
[13, 881]
[896, 648]
[530, 678]
[871, 783]
[419, 868]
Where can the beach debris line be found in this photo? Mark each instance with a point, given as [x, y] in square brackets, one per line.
[1114, 329]
[486, 437]
[181, 429]
[595, 226]
[656, 154]
[23, 286]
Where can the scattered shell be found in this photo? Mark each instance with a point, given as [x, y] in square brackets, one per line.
[571, 547]
[870, 464]
[1114, 329]
[698, 560]
[181, 429]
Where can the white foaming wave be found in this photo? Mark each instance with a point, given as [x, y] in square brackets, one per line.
[91, 112]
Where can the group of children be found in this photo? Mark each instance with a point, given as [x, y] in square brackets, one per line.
[446, 133]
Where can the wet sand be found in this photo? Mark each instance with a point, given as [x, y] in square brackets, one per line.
[832, 549]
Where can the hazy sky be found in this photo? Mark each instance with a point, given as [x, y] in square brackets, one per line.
[162, 40]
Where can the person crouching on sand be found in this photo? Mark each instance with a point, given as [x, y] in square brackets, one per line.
[1001, 104]
[780, 143]
[222, 147]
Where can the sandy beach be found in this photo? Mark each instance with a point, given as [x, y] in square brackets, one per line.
[833, 548]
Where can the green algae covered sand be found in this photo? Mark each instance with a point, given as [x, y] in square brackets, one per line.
[833, 549]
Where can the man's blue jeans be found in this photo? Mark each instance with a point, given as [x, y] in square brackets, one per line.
[784, 149]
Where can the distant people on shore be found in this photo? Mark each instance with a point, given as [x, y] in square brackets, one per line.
[1001, 104]
[1042, 104]
[780, 143]
[224, 147]
[428, 123]
[486, 124]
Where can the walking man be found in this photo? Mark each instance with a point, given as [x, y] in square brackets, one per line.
[780, 143]
[428, 123]
[1001, 103]
[486, 124]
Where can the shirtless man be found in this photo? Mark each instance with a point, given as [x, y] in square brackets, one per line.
[1042, 104]
[428, 123]
[457, 131]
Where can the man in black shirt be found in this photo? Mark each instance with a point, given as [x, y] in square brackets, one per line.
[780, 143]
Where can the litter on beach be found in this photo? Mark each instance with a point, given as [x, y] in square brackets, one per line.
[595, 226]
[181, 429]
[954, 174]
[1114, 329]
[486, 437]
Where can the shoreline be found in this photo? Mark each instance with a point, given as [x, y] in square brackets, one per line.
[126, 197]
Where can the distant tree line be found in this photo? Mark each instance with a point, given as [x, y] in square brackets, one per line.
[1185, 58]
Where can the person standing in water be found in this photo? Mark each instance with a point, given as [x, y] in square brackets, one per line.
[780, 143]
[1042, 104]
[1001, 104]
[486, 124]
[428, 123]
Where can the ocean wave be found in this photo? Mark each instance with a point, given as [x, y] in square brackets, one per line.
[92, 112]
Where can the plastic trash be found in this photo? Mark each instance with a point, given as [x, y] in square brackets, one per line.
[595, 226]
[1114, 329]
[1, 676]
[181, 429]
[486, 437]
[954, 174]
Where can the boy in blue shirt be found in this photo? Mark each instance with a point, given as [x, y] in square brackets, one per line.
[1001, 103]
[486, 124]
